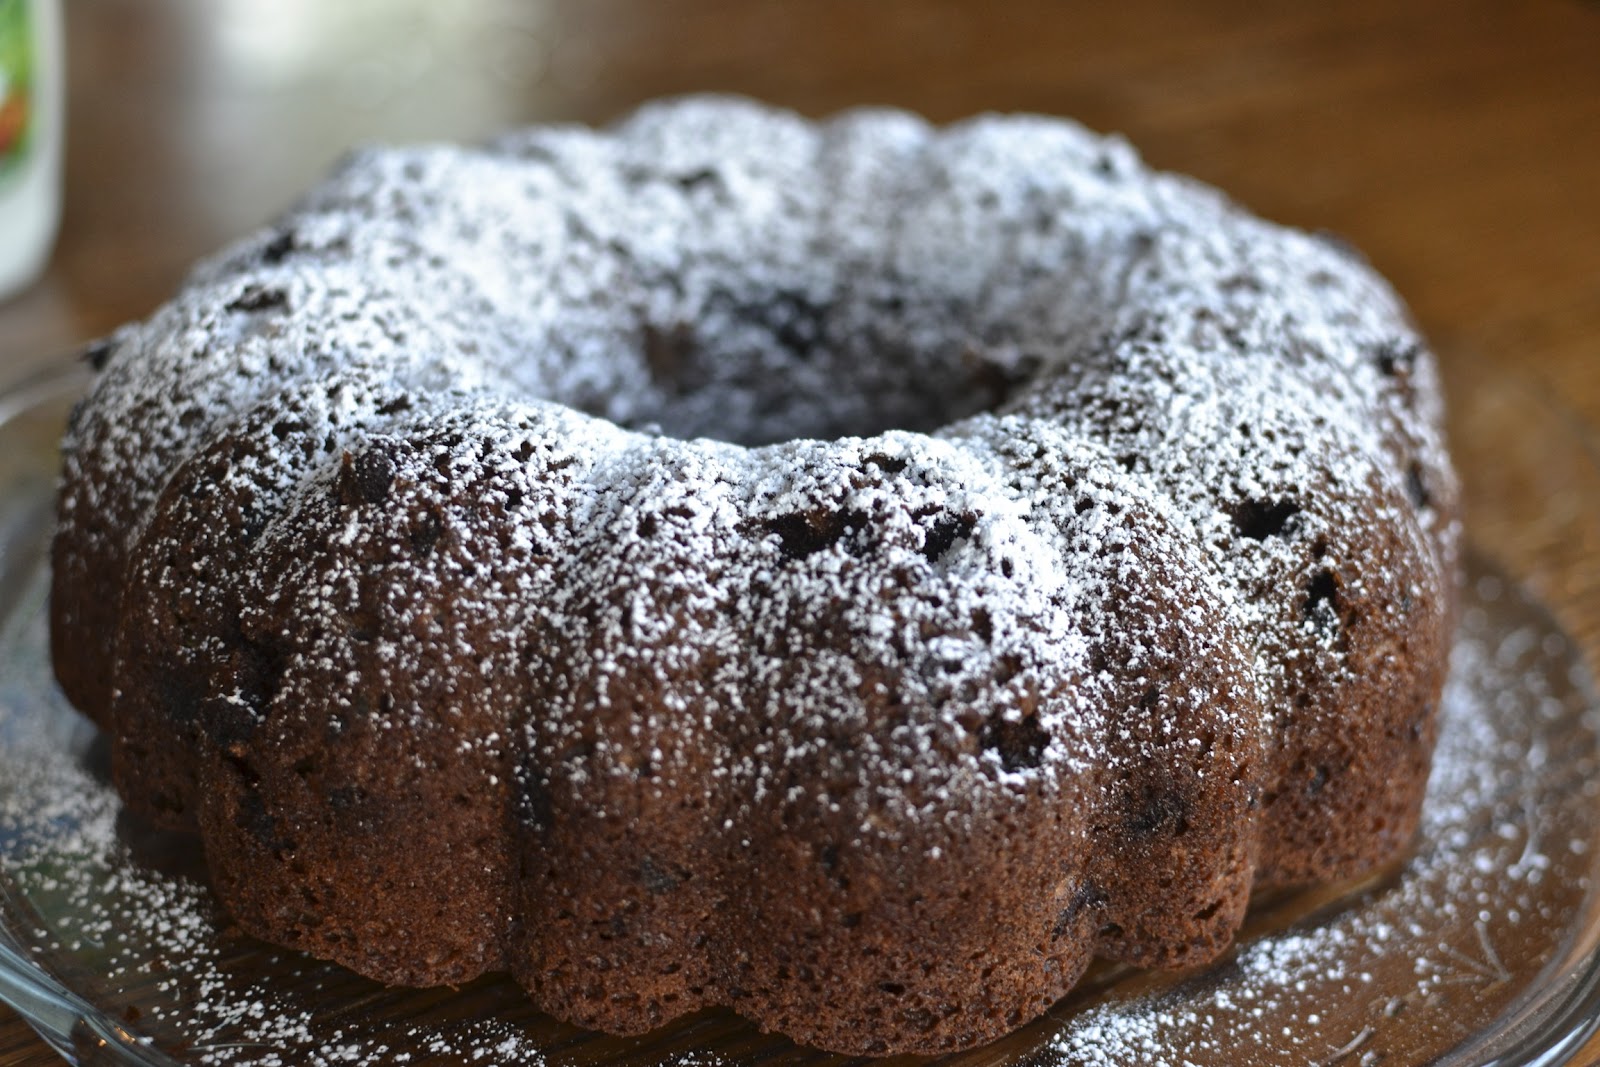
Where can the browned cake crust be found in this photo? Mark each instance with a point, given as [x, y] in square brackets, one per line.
[427, 554]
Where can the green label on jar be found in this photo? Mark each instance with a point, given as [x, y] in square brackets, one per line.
[16, 82]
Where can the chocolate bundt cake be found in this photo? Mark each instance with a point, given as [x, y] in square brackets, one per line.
[851, 572]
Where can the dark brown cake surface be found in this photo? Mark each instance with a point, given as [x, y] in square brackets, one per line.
[852, 572]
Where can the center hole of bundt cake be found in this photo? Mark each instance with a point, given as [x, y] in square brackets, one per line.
[785, 367]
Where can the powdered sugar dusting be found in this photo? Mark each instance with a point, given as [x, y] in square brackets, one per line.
[910, 482]
[1399, 971]
[886, 273]
[1427, 957]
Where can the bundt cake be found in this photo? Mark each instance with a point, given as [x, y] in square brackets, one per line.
[853, 572]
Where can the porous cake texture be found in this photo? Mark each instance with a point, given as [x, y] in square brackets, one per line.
[854, 572]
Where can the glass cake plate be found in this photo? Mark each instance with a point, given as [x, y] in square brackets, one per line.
[1483, 947]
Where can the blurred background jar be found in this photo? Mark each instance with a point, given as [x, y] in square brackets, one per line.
[31, 107]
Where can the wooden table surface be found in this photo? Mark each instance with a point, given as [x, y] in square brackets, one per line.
[1456, 141]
